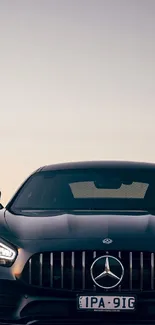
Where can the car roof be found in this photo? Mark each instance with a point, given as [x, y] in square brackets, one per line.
[98, 164]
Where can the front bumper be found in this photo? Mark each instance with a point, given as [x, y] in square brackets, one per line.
[21, 303]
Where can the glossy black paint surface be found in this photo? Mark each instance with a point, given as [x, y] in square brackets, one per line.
[126, 231]
[130, 231]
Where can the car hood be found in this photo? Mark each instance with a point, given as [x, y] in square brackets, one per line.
[118, 227]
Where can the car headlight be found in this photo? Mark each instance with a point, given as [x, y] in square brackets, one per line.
[7, 254]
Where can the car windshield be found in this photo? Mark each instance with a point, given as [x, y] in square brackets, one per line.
[89, 189]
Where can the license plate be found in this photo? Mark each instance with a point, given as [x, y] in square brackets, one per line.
[106, 303]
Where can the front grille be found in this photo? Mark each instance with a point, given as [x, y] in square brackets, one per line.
[71, 270]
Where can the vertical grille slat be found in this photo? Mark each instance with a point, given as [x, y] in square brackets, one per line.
[119, 256]
[94, 256]
[130, 266]
[40, 269]
[30, 271]
[62, 270]
[83, 269]
[73, 269]
[51, 270]
[70, 270]
[141, 270]
[152, 271]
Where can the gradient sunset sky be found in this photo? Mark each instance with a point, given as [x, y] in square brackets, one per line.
[77, 82]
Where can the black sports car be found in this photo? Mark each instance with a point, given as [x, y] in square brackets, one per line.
[77, 245]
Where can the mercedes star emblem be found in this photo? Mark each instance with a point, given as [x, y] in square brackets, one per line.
[107, 241]
[107, 272]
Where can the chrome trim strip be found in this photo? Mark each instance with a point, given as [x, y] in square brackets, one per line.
[40, 268]
[30, 271]
[119, 256]
[83, 269]
[130, 266]
[73, 269]
[152, 271]
[141, 270]
[51, 269]
[62, 270]
[94, 256]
